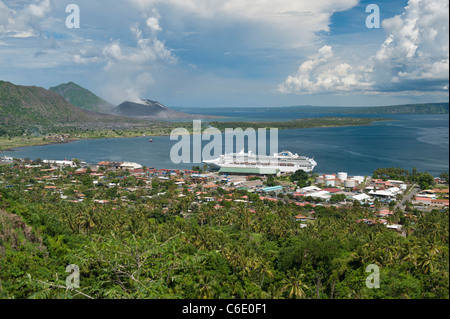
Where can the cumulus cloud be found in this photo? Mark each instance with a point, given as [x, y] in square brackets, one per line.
[415, 56]
[322, 74]
[153, 21]
[148, 50]
[23, 23]
[284, 23]
[130, 68]
[416, 52]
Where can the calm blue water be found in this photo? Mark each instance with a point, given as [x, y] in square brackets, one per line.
[420, 141]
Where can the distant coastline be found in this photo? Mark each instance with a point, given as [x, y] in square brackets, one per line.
[426, 108]
[18, 142]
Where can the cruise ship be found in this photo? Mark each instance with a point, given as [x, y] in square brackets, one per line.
[284, 162]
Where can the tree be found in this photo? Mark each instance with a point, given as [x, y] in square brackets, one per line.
[337, 198]
[271, 181]
[445, 177]
[294, 285]
[301, 177]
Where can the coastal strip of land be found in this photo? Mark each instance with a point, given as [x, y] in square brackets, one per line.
[38, 136]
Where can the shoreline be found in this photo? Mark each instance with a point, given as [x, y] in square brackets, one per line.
[13, 149]
[250, 124]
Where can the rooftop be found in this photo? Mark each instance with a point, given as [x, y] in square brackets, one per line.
[243, 170]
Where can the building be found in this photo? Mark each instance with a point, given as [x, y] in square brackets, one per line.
[323, 195]
[423, 201]
[395, 227]
[60, 163]
[130, 166]
[384, 193]
[308, 190]
[301, 218]
[275, 189]
[440, 203]
[110, 164]
[362, 198]
[249, 171]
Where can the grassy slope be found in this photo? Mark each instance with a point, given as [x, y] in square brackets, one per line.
[81, 97]
[21, 105]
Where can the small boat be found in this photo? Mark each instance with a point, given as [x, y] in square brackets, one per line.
[151, 141]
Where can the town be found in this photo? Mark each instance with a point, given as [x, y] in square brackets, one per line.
[110, 183]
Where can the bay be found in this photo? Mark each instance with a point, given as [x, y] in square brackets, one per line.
[420, 141]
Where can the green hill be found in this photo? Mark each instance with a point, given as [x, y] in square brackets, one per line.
[82, 98]
[25, 106]
[28, 105]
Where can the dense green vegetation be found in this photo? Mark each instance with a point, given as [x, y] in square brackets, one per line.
[424, 180]
[25, 105]
[36, 109]
[138, 246]
[82, 98]
[298, 123]
[301, 177]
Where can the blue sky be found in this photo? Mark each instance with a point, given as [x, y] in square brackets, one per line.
[221, 53]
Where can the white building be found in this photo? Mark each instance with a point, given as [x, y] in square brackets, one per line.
[390, 193]
[128, 165]
[324, 195]
[60, 163]
[359, 179]
[309, 189]
[363, 198]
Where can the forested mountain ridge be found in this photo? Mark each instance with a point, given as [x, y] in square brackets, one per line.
[82, 98]
[428, 108]
[35, 105]
[27, 106]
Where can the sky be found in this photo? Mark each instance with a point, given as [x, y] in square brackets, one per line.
[232, 53]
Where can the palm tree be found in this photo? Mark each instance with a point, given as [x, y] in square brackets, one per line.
[426, 262]
[410, 255]
[265, 270]
[206, 287]
[294, 285]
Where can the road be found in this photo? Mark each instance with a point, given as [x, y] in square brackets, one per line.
[408, 198]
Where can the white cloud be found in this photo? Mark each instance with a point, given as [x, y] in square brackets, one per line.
[148, 50]
[23, 23]
[153, 21]
[417, 48]
[79, 59]
[415, 56]
[322, 74]
[282, 23]
[130, 68]
[153, 24]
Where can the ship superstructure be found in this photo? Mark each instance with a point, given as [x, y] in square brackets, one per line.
[284, 162]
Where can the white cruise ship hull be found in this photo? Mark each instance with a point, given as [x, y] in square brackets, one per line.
[284, 162]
